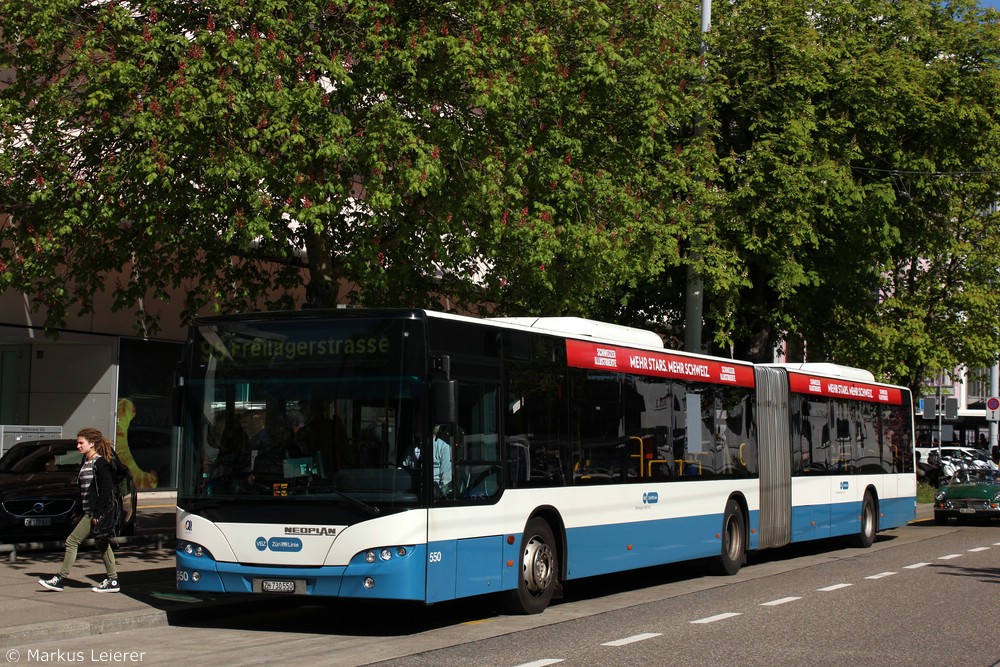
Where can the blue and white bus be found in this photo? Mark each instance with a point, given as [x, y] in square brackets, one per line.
[415, 455]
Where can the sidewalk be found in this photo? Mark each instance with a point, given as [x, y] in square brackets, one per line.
[149, 597]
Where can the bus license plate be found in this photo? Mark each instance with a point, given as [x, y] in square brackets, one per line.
[277, 586]
[38, 522]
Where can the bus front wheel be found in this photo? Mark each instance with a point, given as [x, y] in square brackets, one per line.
[539, 570]
[734, 546]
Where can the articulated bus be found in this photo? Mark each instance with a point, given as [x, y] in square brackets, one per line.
[421, 456]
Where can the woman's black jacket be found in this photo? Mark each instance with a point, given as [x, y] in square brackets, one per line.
[101, 489]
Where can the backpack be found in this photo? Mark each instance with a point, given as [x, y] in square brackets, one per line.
[119, 471]
[109, 524]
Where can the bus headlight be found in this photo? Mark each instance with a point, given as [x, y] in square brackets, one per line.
[385, 554]
[192, 549]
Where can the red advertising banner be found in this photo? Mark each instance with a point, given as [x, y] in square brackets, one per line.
[597, 356]
[801, 383]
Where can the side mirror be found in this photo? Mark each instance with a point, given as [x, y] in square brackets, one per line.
[444, 402]
[175, 401]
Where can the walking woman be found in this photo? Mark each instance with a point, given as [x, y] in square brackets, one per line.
[96, 488]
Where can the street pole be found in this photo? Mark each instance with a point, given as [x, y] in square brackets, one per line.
[994, 391]
[937, 407]
[695, 293]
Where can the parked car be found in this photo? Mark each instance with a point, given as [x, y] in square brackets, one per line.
[980, 457]
[973, 493]
[39, 495]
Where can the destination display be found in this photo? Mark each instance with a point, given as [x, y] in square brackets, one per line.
[353, 344]
[255, 351]
[598, 356]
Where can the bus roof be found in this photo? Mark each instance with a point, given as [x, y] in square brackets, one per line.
[583, 328]
[829, 370]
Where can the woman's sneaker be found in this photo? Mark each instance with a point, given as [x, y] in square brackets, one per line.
[53, 583]
[107, 586]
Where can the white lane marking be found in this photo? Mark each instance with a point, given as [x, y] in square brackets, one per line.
[634, 638]
[915, 566]
[541, 663]
[834, 587]
[775, 603]
[881, 575]
[717, 617]
[949, 556]
[979, 549]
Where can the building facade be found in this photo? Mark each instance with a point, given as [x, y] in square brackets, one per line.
[95, 372]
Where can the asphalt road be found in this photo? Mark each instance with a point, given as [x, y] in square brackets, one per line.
[922, 595]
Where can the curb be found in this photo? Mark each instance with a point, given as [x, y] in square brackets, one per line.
[121, 621]
[82, 627]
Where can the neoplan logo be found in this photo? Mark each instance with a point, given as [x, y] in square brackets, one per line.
[304, 530]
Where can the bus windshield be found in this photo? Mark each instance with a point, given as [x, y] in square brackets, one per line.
[312, 413]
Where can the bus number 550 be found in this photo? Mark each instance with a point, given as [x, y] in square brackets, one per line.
[434, 557]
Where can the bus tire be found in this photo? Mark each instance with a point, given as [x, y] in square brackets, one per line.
[539, 570]
[869, 523]
[734, 544]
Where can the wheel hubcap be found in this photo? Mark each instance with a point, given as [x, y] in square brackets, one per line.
[733, 539]
[537, 566]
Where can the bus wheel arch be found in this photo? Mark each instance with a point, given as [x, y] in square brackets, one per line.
[732, 538]
[865, 536]
[541, 560]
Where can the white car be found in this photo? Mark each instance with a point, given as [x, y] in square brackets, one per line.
[980, 458]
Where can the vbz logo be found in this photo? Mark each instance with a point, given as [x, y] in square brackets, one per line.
[261, 544]
[844, 486]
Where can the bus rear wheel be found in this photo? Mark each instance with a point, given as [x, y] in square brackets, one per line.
[869, 523]
[734, 545]
[539, 570]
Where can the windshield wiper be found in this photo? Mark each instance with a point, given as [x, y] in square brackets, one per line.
[209, 501]
[212, 501]
[365, 507]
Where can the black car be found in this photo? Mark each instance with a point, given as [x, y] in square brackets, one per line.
[39, 495]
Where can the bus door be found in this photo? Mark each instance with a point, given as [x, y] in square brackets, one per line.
[823, 475]
[465, 552]
[774, 457]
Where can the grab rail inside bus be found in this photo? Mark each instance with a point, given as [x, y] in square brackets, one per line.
[680, 466]
[642, 453]
[650, 467]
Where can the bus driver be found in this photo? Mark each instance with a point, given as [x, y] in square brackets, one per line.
[441, 457]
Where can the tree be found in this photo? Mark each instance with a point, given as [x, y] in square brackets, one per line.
[531, 156]
[857, 143]
[829, 169]
[910, 282]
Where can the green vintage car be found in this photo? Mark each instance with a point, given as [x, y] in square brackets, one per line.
[973, 493]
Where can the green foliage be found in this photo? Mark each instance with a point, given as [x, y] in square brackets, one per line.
[858, 143]
[502, 154]
[925, 493]
[827, 168]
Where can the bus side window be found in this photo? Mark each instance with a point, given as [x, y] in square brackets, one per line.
[474, 443]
